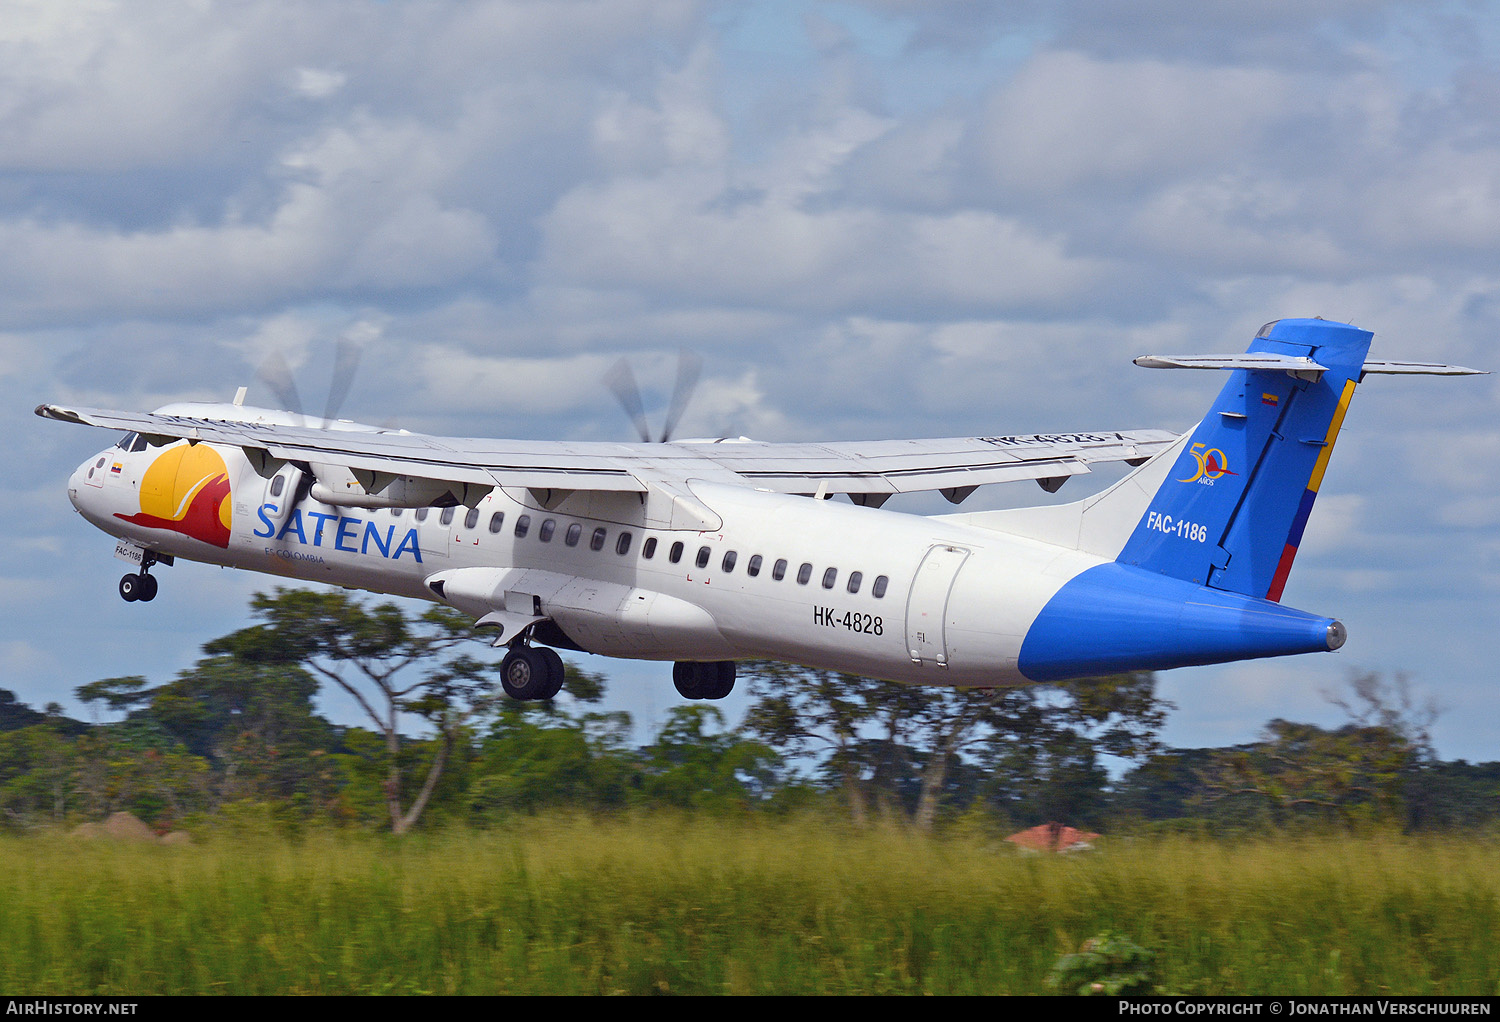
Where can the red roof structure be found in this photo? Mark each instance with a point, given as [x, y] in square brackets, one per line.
[1053, 837]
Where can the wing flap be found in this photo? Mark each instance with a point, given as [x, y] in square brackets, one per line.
[907, 466]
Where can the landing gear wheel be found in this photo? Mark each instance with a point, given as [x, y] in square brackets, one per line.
[725, 680]
[712, 680]
[527, 673]
[141, 585]
[556, 671]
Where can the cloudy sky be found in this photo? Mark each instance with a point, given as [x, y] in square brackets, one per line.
[872, 219]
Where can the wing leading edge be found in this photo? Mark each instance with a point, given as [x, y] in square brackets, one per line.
[869, 472]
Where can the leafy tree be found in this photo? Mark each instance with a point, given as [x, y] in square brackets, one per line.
[539, 754]
[371, 654]
[804, 711]
[1372, 701]
[1455, 796]
[137, 767]
[37, 766]
[1035, 750]
[690, 766]
[254, 721]
[15, 714]
[1369, 769]
[1166, 786]
[119, 695]
[1302, 771]
[1043, 749]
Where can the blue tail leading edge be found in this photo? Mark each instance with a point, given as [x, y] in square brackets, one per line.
[1200, 578]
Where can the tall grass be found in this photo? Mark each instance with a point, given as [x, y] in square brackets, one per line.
[572, 904]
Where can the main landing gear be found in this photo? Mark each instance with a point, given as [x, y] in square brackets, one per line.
[531, 672]
[139, 585]
[712, 680]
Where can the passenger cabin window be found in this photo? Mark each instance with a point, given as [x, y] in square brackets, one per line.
[675, 554]
[727, 565]
[778, 571]
[878, 589]
[803, 574]
[421, 514]
[753, 568]
[523, 525]
[446, 518]
[596, 541]
[855, 578]
[648, 548]
[830, 577]
[545, 531]
[574, 532]
[622, 545]
[277, 485]
[703, 555]
[497, 521]
[396, 512]
[472, 518]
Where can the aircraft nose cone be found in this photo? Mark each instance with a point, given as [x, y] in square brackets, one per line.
[75, 481]
[79, 482]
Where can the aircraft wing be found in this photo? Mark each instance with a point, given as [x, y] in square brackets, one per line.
[954, 466]
[873, 470]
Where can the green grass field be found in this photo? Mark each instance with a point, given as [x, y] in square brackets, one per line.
[574, 905]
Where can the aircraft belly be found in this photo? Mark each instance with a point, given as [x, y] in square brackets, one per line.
[625, 621]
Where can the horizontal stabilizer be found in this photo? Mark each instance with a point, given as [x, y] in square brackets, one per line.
[1421, 369]
[1266, 360]
[1296, 364]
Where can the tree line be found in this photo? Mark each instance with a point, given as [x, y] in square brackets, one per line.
[437, 743]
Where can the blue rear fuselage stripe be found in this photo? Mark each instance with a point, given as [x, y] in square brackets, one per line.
[1114, 618]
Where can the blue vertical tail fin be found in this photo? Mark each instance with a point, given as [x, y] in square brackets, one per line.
[1205, 533]
[1231, 511]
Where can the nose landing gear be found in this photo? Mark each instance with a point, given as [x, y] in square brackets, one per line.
[139, 586]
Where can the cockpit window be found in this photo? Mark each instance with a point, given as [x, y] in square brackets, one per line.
[132, 442]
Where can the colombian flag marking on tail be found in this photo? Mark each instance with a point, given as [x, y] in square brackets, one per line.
[1309, 496]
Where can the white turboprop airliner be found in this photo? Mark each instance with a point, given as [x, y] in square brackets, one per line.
[705, 552]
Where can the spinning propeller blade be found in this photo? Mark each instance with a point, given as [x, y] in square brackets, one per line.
[622, 381]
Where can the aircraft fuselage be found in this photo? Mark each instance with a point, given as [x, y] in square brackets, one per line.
[818, 582]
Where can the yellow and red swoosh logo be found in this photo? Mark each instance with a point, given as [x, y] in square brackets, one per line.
[1211, 464]
[186, 490]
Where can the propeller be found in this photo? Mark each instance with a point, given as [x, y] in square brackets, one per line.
[621, 381]
[689, 366]
[275, 374]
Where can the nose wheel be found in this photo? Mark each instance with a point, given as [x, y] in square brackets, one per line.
[139, 586]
